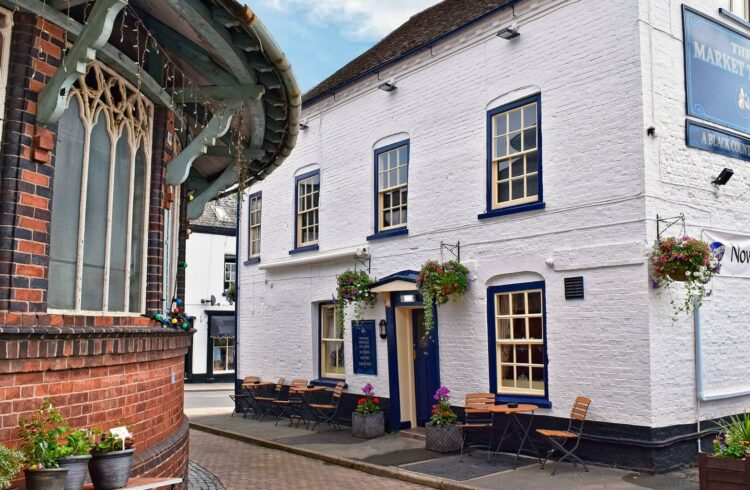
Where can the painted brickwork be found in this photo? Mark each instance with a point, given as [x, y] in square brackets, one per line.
[606, 71]
[99, 370]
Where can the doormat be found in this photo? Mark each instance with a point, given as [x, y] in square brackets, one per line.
[473, 465]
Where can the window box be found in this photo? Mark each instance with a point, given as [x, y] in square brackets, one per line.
[715, 472]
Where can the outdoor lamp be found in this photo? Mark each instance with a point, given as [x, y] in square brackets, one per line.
[387, 86]
[509, 32]
[303, 126]
[723, 177]
[383, 333]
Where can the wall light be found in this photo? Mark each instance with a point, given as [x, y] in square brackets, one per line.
[387, 86]
[509, 32]
[723, 177]
[303, 126]
[383, 332]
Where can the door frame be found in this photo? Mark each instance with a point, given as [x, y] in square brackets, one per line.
[394, 408]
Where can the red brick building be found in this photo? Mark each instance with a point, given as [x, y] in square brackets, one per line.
[120, 121]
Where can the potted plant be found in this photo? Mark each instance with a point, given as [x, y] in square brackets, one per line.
[40, 436]
[439, 283]
[442, 433]
[75, 456]
[367, 419]
[353, 287]
[685, 260]
[730, 460]
[111, 458]
[11, 462]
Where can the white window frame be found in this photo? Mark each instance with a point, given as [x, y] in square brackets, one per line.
[324, 341]
[227, 357]
[513, 343]
[171, 241]
[230, 270]
[389, 163]
[91, 102]
[255, 206]
[740, 8]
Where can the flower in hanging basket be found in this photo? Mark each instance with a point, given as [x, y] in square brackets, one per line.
[353, 287]
[685, 260]
[439, 283]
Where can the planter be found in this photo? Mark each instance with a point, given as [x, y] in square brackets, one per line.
[368, 425]
[111, 470]
[78, 468]
[679, 276]
[716, 472]
[443, 438]
[47, 479]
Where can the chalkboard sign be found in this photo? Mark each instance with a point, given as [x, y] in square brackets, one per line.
[365, 354]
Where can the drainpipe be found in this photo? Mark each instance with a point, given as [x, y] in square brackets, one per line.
[237, 269]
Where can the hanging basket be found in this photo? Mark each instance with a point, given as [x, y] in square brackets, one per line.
[678, 276]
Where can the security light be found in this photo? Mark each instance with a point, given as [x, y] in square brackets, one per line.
[723, 177]
[509, 32]
[387, 86]
[303, 126]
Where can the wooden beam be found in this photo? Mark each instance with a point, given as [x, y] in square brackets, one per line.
[65, 4]
[220, 92]
[179, 168]
[54, 97]
[221, 183]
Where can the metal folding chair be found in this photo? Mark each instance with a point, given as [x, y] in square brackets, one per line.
[477, 418]
[265, 403]
[291, 407]
[558, 438]
[325, 413]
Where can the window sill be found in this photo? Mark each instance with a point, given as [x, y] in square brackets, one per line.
[328, 382]
[521, 208]
[388, 234]
[541, 402]
[251, 261]
[309, 248]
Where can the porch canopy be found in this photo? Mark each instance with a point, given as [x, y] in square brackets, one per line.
[399, 281]
[211, 62]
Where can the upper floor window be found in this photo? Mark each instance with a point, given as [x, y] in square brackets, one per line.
[518, 331]
[514, 159]
[255, 213]
[740, 8]
[331, 344]
[392, 170]
[307, 200]
[230, 271]
[100, 197]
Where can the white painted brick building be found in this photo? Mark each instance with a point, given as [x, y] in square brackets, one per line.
[604, 72]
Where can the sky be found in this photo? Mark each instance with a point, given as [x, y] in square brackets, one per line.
[321, 36]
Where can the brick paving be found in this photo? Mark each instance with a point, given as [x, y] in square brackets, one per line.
[241, 466]
[199, 478]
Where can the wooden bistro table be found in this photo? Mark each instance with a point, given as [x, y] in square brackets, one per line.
[306, 410]
[514, 426]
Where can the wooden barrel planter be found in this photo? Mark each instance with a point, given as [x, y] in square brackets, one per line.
[723, 473]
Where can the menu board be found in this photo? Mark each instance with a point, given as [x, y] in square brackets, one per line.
[364, 349]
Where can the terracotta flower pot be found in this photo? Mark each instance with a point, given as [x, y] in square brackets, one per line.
[368, 425]
[111, 470]
[46, 479]
[443, 438]
[78, 468]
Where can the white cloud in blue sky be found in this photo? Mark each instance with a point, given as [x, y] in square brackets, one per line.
[321, 36]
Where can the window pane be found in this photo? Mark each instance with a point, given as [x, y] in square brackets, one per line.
[515, 142]
[516, 167]
[503, 192]
[537, 376]
[387, 218]
[517, 189]
[503, 304]
[402, 158]
[514, 120]
[387, 200]
[503, 169]
[501, 146]
[535, 328]
[535, 302]
[501, 126]
[503, 329]
[506, 376]
[522, 377]
[396, 198]
[532, 185]
[404, 193]
[529, 116]
[396, 217]
[519, 328]
[136, 239]
[506, 354]
[120, 199]
[402, 174]
[529, 139]
[532, 162]
[519, 303]
[65, 209]
[537, 354]
[333, 358]
[522, 354]
[96, 217]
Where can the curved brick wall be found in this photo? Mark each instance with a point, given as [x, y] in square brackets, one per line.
[100, 377]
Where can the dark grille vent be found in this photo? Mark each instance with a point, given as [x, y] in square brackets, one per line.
[574, 287]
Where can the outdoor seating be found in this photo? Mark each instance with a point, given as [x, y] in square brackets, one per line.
[477, 420]
[325, 413]
[265, 403]
[558, 438]
[291, 407]
[245, 402]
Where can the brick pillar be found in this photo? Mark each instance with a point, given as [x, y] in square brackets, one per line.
[161, 155]
[27, 167]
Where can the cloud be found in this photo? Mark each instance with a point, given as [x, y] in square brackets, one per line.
[358, 20]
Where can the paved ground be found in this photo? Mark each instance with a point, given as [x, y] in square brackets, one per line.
[242, 466]
[199, 478]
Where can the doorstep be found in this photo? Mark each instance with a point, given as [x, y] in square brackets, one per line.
[417, 433]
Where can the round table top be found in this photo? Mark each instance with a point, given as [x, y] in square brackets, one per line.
[522, 407]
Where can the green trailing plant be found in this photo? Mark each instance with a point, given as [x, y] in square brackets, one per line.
[439, 283]
[734, 439]
[685, 260]
[77, 443]
[11, 462]
[353, 287]
[41, 435]
[108, 442]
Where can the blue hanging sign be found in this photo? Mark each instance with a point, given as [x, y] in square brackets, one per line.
[717, 71]
[364, 347]
[713, 140]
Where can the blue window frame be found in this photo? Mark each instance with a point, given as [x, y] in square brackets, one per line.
[255, 204]
[391, 190]
[514, 158]
[306, 212]
[517, 342]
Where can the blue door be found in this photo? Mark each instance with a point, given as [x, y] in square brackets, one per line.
[426, 366]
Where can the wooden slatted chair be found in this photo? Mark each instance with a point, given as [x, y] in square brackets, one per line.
[477, 418]
[289, 407]
[265, 403]
[325, 413]
[558, 438]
